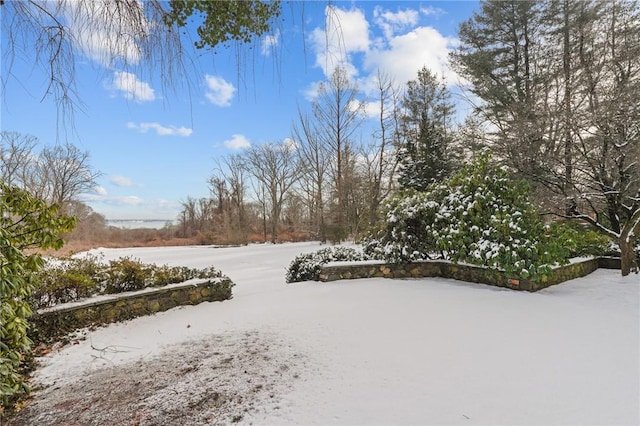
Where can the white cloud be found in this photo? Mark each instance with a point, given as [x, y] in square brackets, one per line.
[237, 142]
[99, 190]
[114, 200]
[219, 91]
[131, 87]
[371, 109]
[356, 105]
[346, 32]
[125, 200]
[312, 90]
[348, 27]
[270, 43]
[132, 206]
[121, 181]
[432, 11]
[160, 129]
[405, 54]
[400, 51]
[96, 32]
[290, 144]
[391, 22]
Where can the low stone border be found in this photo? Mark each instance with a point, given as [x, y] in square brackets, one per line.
[477, 274]
[51, 323]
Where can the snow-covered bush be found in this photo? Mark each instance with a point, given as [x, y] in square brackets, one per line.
[71, 279]
[306, 267]
[613, 249]
[479, 216]
[403, 239]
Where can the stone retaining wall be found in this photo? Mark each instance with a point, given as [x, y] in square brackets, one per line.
[52, 323]
[470, 273]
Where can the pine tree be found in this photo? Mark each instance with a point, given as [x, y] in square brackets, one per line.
[559, 85]
[500, 56]
[425, 132]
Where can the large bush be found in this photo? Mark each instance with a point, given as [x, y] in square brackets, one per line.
[25, 223]
[306, 267]
[479, 216]
[74, 278]
[580, 239]
[61, 285]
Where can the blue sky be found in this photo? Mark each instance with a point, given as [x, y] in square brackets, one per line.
[155, 148]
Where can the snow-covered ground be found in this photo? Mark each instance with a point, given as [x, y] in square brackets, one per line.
[423, 351]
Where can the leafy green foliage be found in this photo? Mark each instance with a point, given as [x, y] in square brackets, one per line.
[588, 163]
[425, 131]
[25, 222]
[71, 279]
[126, 274]
[224, 21]
[336, 233]
[61, 285]
[479, 216]
[306, 267]
[580, 239]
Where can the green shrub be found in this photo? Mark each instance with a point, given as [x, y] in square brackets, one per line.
[580, 239]
[306, 267]
[165, 274]
[74, 278]
[58, 285]
[90, 265]
[336, 233]
[583, 240]
[478, 216]
[68, 280]
[126, 274]
[25, 222]
[209, 272]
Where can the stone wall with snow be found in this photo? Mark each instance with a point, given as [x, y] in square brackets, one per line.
[57, 321]
[463, 272]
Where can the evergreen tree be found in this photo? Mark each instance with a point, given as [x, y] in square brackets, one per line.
[559, 83]
[500, 56]
[425, 132]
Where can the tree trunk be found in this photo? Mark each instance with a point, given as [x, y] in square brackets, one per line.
[628, 237]
[275, 216]
[628, 259]
[322, 229]
[264, 222]
[568, 112]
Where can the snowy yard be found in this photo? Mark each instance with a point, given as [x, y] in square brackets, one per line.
[376, 351]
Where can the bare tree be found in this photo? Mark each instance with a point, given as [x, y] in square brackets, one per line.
[196, 218]
[58, 174]
[338, 114]
[606, 184]
[91, 226]
[228, 185]
[275, 167]
[16, 156]
[68, 172]
[185, 218]
[378, 160]
[314, 160]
